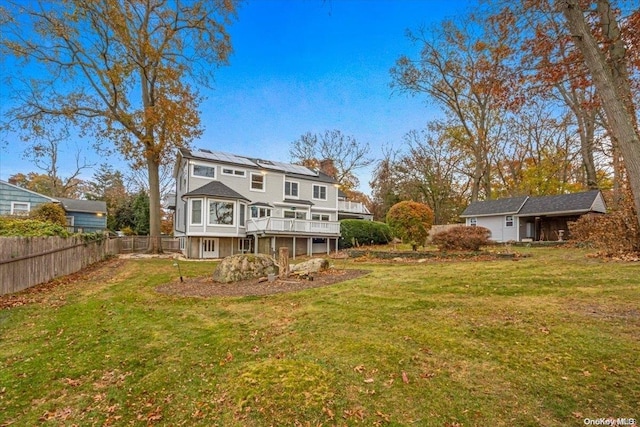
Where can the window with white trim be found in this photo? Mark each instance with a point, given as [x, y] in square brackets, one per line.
[196, 212]
[242, 214]
[291, 189]
[320, 217]
[473, 222]
[320, 192]
[508, 221]
[20, 208]
[234, 172]
[294, 214]
[221, 213]
[257, 182]
[260, 212]
[204, 171]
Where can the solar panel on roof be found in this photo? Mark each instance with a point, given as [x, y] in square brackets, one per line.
[223, 157]
[288, 167]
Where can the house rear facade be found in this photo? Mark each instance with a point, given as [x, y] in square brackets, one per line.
[525, 218]
[227, 204]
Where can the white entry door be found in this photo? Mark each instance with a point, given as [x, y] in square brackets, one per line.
[210, 248]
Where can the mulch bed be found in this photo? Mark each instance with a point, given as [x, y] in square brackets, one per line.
[205, 286]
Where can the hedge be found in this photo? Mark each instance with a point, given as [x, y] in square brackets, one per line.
[357, 232]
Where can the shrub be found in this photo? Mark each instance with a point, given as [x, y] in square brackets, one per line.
[25, 227]
[410, 221]
[614, 233]
[51, 212]
[462, 238]
[357, 232]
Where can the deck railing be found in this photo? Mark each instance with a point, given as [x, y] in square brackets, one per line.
[289, 225]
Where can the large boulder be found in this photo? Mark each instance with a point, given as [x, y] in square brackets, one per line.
[243, 267]
[313, 265]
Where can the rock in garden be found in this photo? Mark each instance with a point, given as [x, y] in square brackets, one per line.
[313, 265]
[244, 267]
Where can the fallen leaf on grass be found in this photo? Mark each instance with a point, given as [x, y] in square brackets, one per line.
[329, 413]
[72, 383]
[405, 378]
[368, 380]
[359, 369]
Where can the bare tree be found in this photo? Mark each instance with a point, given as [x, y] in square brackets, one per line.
[346, 153]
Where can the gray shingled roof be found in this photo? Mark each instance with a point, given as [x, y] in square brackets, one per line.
[215, 189]
[298, 202]
[91, 206]
[495, 207]
[564, 203]
[543, 205]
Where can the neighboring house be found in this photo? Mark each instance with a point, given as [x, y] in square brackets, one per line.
[85, 216]
[352, 210]
[16, 200]
[533, 218]
[82, 215]
[227, 204]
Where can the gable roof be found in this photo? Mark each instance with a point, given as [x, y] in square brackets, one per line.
[495, 207]
[90, 206]
[27, 191]
[587, 201]
[575, 203]
[215, 189]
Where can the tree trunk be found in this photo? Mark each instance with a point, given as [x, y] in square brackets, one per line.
[611, 87]
[155, 240]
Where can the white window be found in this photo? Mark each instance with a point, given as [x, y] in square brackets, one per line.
[204, 171]
[183, 243]
[320, 192]
[20, 208]
[257, 182]
[220, 213]
[70, 220]
[242, 214]
[320, 217]
[508, 221]
[294, 214]
[196, 212]
[234, 172]
[260, 212]
[473, 222]
[291, 189]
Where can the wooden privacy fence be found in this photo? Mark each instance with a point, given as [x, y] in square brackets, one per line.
[28, 261]
[129, 244]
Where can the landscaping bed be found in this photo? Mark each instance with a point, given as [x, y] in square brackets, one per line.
[206, 287]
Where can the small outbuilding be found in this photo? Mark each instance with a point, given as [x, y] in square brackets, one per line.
[525, 218]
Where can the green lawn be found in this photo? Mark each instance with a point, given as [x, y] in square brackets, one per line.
[547, 340]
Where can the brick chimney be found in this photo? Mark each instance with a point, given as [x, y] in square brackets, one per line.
[327, 166]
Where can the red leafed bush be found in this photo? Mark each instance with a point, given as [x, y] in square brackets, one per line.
[613, 234]
[462, 238]
[411, 221]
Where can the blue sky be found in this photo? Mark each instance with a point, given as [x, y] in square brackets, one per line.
[301, 66]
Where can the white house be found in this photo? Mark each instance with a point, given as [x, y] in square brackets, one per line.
[227, 204]
[533, 218]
